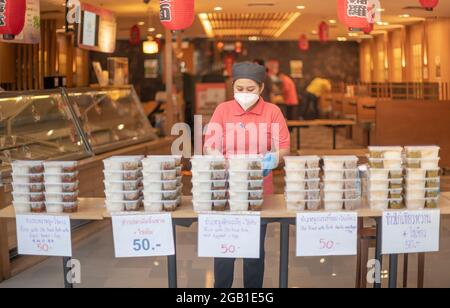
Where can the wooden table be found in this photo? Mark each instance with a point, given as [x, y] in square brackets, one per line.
[334, 124]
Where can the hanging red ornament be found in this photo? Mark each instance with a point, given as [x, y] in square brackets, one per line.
[323, 32]
[177, 14]
[429, 5]
[12, 17]
[135, 35]
[303, 42]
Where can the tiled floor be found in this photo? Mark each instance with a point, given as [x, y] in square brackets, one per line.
[101, 269]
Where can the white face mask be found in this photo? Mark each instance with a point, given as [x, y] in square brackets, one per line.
[246, 100]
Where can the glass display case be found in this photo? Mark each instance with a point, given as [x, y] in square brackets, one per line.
[111, 117]
[38, 125]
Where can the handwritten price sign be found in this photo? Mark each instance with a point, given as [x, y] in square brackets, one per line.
[229, 235]
[143, 235]
[410, 231]
[44, 235]
[326, 234]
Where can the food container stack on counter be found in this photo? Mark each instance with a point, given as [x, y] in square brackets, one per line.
[341, 183]
[209, 183]
[385, 182]
[246, 182]
[28, 186]
[162, 183]
[302, 183]
[422, 182]
[123, 183]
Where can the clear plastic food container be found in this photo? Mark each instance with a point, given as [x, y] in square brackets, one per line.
[166, 205]
[378, 184]
[333, 194]
[37, 207]
[67, 207]
[378, 174]
[123, 185]
[351, 205]
[422, 193]
[432, 183]
[245, 205]
[296, 206]
[122, 195]
[22, 207]
[115, 206]
[209, 195]
[27, 178]
[166, 175]
[333, 204]
[61, 187]
[385, 163]
[125, 163]
[247, 194]
[28, 197]
[61, 197]
[302, 185]
[215, 205]
[160, 185]
[385, 152]
[423, 163]
[297, 175]
[246, 185]
[55, 208]
[28, 188]
[340, 162]
[243, 175]
[421, 203]
[60, 166]
[167, 195]
[385, 204]
[245, 162]
[333, 174]
[209, 175]
[209, 185]
[422, 151]
[27, 166]
[206, 163]
[60, 178]
[161, 163]
[422, 173]
[296, 195]
[301, 162]
[351, 174]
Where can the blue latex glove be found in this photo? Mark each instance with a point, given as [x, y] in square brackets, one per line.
[270, 162]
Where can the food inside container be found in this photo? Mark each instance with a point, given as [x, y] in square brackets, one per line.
[167, 205]
[351, 205]
[298, 175]
[55, 178]
[296, 205]
[351, 174]
[396, 174]
[123, 195]
[60, 166]
[209, 195]
[313, 194]
[54, 208]
[255, 205]
[351, 194]
[205, 163]
[115, 206]
[245, 162]
[160, 185]
[209, 185]
[153, 206]
[243, 175]
[246, 195]
[69, 207]
[124, 163]
[166, 175]
[313, 205]
[415, 204]
[379, 174]
[352, 184]
[27, 178]
[423, 163]
[246, 185]
[432, 183]
[28, 197]
[295, 195]
[61, 197]
[160, 163]
[312, 174]
[333, 162]
[333, 204]
[396, 184]
[239, 206]
[396, 204]
[385, 152]
[333, 194]
[431, 193]
[422, 151]
[128, 206]
[395, 193]
[432, 203]
[379, 205]
[333, 184]
[385, 163]
[37, 207]
[331, 174]
[61, 187]
[214, 175]
[162, 195]
[22, 207]
[301, 162]
[27, 166]
[28, 188]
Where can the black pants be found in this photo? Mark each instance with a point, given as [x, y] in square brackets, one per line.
[253, 269]
[310, 107]
[292, 112]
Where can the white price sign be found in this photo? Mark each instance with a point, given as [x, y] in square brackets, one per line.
[145, 235]
[327, 234]
[410, 231]
[229, 235]
[44, 235]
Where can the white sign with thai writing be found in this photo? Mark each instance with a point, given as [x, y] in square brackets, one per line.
[327, 234]
[44, 235]
[410, 231]
[145, 235]
[229, 235]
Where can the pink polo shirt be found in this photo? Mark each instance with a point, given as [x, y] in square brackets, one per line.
[257, 131]
[289, 91]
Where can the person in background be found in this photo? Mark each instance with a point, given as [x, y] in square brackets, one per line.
[290, 96]
[316, 89]
[267, 92]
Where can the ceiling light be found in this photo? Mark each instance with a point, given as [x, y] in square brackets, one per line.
[314, 32]
[332, 21]
[253, 38]
[218, 8]
[380, 10]
[404, 16]
[151, 29]
[159, 35]
[207, 26]
[342, 39]
[334, 274]
[322, 261]
[301, 7]
[141, 23]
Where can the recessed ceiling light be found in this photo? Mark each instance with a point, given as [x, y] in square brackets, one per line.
[141, 23]
[314, 32]
[253, 38]
[218, 8]
[342, 39]
[301, 7]
[332, 21]
[380, 10]
[334, 274]
[159, 35]
[404, 16]
[322, 261]
[151, 29]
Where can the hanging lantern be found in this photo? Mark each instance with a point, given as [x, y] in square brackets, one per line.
[135, 35]
[238, 47]
[12, 17]
[177, 14]
[429, 5]
[150, 46]
[303, 42]
[354, 14]
[368, 30]
[323, 32]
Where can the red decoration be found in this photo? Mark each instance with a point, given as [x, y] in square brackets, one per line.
[368, 29]
[177, 14]
[429, 5]
[353, 14]
[135, 35]
[303, 42]
[12, 17]
[324, 32]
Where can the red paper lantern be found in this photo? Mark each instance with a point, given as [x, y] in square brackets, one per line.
[323, 32]
[303, 42]
[177, 14]
[353, 14]
[135, 35]
[12, 17]
[429, 5]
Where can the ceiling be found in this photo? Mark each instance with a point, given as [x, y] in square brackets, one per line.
[130, 12]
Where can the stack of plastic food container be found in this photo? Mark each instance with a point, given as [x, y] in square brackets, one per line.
[246, 183]
[302, 183]
[28, 186]
[209, 183]
[385, 183]
[162, 183]
[61, 186]
[342, 186]
[422, 184]
[123, 183]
